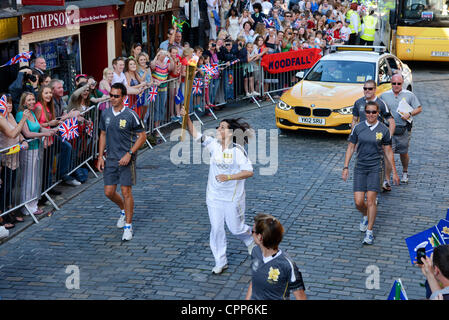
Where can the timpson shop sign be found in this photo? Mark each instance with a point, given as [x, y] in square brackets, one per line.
[70, 18]
[152, 6]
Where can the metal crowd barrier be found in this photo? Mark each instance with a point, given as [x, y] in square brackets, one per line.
[20, 176]
[278, 83]
[62, 158]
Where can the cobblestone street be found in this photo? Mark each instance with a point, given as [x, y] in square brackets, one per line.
[169, 256]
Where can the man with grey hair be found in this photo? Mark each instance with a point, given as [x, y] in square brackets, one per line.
[57, 87]
[403, 121]
[40, 65]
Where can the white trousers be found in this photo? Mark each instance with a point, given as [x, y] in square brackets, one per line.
[233, 213]
[213, 27]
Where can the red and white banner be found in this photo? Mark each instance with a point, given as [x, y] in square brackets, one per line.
[43, 2]
[291, 60]
[68, 18]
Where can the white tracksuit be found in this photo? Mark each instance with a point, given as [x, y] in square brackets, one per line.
[226, 200]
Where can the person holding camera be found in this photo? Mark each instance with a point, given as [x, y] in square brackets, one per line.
[372, 139]
[436, 271]
[27, 80]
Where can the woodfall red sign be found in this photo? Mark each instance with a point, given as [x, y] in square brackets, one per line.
[43, 2]
[70, 18]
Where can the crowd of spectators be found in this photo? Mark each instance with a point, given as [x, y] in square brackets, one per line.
[241, 31]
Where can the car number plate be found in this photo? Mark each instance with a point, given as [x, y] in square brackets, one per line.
[440, 54]
[312, 121]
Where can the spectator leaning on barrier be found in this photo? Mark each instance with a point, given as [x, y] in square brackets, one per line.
[161, 67]
[29, 159]
[10, 135]
[436, 271]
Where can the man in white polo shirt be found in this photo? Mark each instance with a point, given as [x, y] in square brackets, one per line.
[403, 130]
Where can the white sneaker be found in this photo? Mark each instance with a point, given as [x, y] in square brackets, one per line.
[73, 182]
[121, 221]
[363, 224]
[255, 93]
[218, 270]
[369, 237]
[251, 247]
[248, 95]
[4, 233]
[127, 233]
[404, 178]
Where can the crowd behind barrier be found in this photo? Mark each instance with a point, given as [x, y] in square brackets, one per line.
[228, 70]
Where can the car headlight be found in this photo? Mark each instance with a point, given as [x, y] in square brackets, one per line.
[283, 106]
[406, 39]
[345, 111]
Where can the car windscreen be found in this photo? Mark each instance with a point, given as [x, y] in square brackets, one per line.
[425, 13]
[342, 71]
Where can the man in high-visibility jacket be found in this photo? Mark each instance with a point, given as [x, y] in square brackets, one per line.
[355, 24]
[368, 29]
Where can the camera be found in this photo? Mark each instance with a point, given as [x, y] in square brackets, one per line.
[30, 77]
[420, 253]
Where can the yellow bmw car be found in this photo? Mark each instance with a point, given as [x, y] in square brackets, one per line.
[324, 98]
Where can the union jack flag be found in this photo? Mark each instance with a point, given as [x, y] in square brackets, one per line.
[126, 102]
[196, 88]
[90, 128]
[3, 105]
[152, 93]
[69, 129]
[268, 23]
[21, 57]
[211, 69]
[74, 128]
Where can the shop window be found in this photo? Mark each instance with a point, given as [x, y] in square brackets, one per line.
[63, 58]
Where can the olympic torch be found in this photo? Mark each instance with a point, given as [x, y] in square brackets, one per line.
[190, 75]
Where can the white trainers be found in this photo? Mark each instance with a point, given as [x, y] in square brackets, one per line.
[121, 220]
[404, 178]
[4, 233]
[248, 95]
[218, 270]
[363, 224]
[369, 237]
[127, 233]
[251, 247]
[255, 93]
[73, 182]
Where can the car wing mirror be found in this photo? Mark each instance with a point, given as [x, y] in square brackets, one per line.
[300, 75]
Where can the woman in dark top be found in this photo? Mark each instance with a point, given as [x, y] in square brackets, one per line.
[274, 274]
[372, 139]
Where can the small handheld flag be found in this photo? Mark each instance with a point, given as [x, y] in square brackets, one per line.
[3, 105]
[397, 291]
[268, 23]
[69, 129]
[21, 57]
[90, 128]
[196, 87]
[152, 94]
[126, 102]
[74, 128]
[179, 98]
